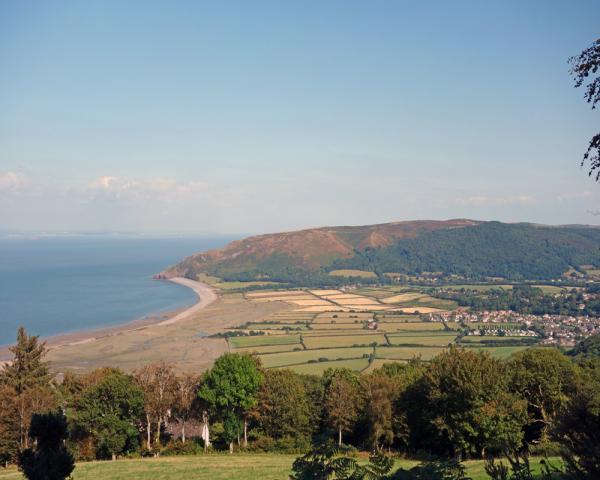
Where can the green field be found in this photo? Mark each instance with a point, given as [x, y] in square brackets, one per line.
[501, 352]
[343, 340]
[352, 273]
[397, 318]
[330, 339]
[337, 326]
[253, 341]
[270, 348]
[275, 326]
[434, 340]
[214, 467]
[436, 333]
[406, 353]
[420, 326]
[291, 358]
[487, 338]
[358, 365]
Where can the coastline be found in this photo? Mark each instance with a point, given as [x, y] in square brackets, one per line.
[205, 293]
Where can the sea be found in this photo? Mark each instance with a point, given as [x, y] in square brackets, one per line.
[55, 285]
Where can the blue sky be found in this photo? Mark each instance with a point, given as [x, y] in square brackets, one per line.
[229, 117]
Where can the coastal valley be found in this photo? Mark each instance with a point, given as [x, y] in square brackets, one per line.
[319, 317]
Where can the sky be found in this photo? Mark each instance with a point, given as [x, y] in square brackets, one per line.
[227, 117]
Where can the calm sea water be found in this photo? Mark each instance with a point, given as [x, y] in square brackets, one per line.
[58, 285]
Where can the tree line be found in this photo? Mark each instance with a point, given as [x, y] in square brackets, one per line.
[462, 404]
[525, 299]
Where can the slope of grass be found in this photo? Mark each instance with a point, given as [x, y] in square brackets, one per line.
[214, 467]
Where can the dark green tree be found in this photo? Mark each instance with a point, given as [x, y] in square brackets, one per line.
[110, 411]
[578, 427]
[453, 408]
[380, 396]
[26, 380]
[50, 459]
[231, 388]
[9, 426]
[545, 378]
[315, 392]
[283, 410]
[587, 348]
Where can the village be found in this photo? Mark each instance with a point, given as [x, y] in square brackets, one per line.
[560, 330]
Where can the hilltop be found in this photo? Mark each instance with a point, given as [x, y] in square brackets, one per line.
[459, 247]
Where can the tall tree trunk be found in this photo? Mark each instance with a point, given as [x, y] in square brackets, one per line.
[148, 432]
[230, 448]
[114, 457]
[183, 431]
[340, 437]
[157, 438]
[245, 432]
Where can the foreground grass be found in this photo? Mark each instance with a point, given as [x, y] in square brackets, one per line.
[209, 467]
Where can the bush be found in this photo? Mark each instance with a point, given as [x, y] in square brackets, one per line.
[434, 470]
[177, 447]
[264, 443]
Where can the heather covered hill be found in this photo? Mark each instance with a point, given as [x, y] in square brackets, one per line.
[471, 249]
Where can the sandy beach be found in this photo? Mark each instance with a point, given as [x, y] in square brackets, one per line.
[206, 295]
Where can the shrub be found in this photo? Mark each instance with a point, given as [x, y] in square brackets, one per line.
[177, 447]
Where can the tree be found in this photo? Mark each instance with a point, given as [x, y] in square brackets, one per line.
[544, 377]
[587, 348]
[158, 384]
[28, 368]
[315, 393]
[341, 399]
[110, 411]
[71, 391]
[283, 410]
[50, 459]
[186, 388]
[28, 377]
[584, 67]
[453, 407]
[380, 396]
[9, 426]
[231, 388]
[578, 427]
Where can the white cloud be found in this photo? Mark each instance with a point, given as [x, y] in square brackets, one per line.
[11, 182]
[119, 188]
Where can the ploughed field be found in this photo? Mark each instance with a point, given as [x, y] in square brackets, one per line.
[360, 329]
[213, 467]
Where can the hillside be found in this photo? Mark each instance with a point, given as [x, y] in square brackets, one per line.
[468, 248]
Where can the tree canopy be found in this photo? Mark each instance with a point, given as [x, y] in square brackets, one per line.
[584, 69]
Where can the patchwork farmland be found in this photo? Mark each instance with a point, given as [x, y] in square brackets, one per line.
[357, 329]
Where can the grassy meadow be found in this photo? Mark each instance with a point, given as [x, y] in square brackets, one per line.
[211, 467]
